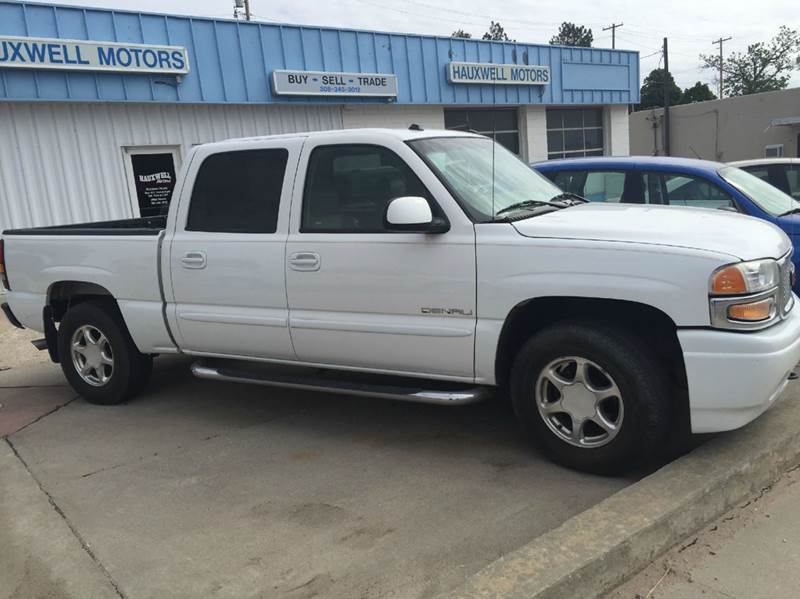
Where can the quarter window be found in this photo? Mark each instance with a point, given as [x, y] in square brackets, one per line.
[238, 192]
[348, 188]
[574, 132]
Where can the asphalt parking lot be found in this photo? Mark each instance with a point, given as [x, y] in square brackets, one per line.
[201, 488]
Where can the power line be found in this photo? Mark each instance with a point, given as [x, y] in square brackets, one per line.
[613, 28]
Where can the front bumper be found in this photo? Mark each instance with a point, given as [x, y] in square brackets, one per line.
[733, 377]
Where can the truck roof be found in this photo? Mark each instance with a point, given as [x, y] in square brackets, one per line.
[401, 134]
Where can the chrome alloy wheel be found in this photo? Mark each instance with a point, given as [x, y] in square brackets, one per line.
[92, 355]
[579, 402]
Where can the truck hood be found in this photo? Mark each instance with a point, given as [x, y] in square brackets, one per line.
[743, 237]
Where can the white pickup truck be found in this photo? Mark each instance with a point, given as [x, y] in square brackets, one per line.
[428, 266]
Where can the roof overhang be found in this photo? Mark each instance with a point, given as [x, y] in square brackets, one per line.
[785, 121]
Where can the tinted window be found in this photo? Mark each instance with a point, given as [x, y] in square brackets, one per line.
[238, 192]
[349, 187]
[684, 190]
[759, 171]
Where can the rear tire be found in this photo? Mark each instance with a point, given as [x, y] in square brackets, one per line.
[98, 356]
[591, 396]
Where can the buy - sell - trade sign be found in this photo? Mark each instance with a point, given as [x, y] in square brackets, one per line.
[88, 55]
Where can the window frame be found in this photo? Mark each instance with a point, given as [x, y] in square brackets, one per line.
[187, 219]
[436, 209]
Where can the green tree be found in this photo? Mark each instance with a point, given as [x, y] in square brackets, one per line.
[497, 33]
[699, 92]
[461, 33]
[763, 67]
[652, 93]
[570, 34]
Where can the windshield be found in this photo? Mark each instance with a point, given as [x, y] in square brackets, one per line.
[464, 164]
[769, 198]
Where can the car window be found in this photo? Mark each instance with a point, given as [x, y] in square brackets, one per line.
[762, 172]
[793, 178]
[595, 186]
[569, 181]
[685, 190]
[604, 186]
[238, 192]
[348, 188]
[763, 194]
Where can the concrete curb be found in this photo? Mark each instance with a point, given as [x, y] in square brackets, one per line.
[40, 555]
[598, 549]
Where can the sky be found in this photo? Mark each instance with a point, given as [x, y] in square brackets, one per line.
[690, 25]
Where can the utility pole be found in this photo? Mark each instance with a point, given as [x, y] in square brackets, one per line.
[238, 5]
[720, 41]
[613, 28]
[666, 98]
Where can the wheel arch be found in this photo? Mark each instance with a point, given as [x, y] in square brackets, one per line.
[533, 315]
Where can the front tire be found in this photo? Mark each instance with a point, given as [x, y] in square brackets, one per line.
[591, 396]
[98, 356]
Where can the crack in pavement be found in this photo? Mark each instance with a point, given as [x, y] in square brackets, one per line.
[45, 415]
[67, 521]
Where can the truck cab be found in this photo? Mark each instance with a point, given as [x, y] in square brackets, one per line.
[425, 266]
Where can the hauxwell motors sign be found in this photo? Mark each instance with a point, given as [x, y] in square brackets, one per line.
[497, 74]
[88, 55]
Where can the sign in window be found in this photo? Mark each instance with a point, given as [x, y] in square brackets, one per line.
[151, 178]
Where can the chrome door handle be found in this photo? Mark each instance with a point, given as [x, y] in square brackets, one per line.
[304, 261]
[194, 260]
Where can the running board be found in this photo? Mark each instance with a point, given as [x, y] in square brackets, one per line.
[347, 384]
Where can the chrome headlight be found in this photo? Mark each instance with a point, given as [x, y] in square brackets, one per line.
[751, 295]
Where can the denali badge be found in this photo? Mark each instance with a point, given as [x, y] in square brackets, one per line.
[448, 311]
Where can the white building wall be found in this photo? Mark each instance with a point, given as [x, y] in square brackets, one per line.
[63, 163]
[617, 136]
[392, 116]
[533, 133]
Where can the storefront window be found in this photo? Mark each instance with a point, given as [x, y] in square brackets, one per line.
[502, 122]
[574, 132]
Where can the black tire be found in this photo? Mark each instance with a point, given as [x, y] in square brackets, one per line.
[643, 392]
[131, 370]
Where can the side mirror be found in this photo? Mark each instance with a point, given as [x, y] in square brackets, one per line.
[413, 214]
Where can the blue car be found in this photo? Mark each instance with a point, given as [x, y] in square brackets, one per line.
[677, 182]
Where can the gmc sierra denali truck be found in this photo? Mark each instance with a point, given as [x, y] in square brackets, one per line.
[429, 266]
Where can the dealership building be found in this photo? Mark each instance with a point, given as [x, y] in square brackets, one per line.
[98, 108]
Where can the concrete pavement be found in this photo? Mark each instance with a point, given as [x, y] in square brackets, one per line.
[201, 488]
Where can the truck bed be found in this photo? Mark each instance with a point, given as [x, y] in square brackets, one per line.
[120, 257]
[151, 225]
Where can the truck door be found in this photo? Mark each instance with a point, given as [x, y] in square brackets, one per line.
[366, 297]
[227, 255]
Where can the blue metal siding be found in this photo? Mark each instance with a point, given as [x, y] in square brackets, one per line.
[232, 61]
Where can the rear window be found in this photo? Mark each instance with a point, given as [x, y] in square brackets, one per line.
[769, 198]
[238, 192]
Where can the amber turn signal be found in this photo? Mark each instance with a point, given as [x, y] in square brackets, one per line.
[728, 281]
[752, 312]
